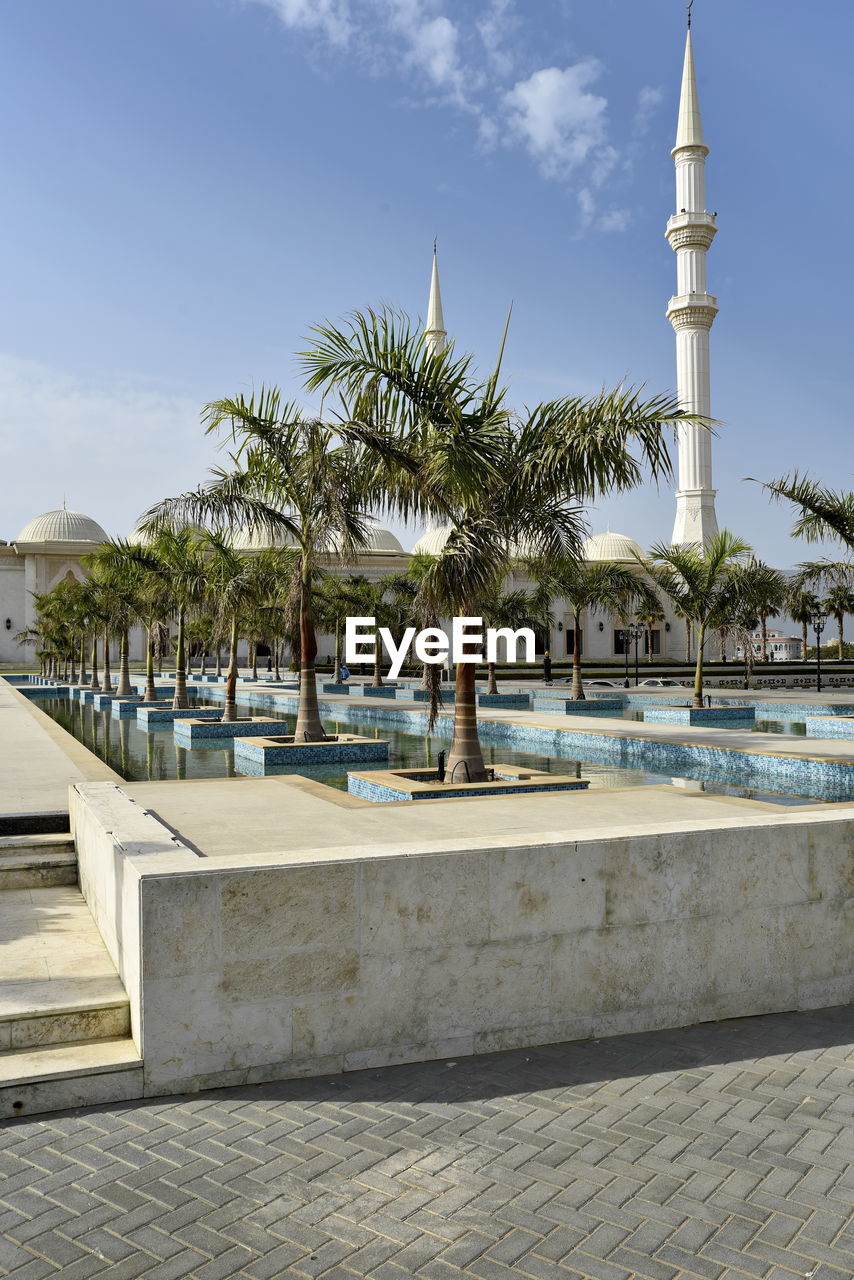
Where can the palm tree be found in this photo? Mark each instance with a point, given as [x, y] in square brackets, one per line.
[296, 476]
[838, 602]
[604, 585]
[232, 585]
[770, 589]
[648, 615]
[334, 601]
[499, 479]
[801, 604]
[824, 513]
[702, 583]
[514, 609]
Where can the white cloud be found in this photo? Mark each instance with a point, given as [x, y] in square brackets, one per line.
[468, 61]
[557, 118]
[329, 17]
[649, 100]
[433, 49]
[614, 220]
[496, 25]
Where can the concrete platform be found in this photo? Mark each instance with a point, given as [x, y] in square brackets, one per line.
[38, 759]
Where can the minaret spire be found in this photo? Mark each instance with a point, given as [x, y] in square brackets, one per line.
[434, 330]
[692, 312]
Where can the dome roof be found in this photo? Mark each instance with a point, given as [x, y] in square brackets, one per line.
[613, 546]
[62, 526]
[141, 539]
[260, 539]
[432, 543]
[379, 542]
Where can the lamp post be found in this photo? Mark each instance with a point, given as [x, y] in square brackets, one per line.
[635, 632]
[818, 619]
[625, 641]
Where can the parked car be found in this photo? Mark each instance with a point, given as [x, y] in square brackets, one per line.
[598, 684]
[661, 684]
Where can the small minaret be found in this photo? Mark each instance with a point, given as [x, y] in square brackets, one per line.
[434, 331]
[692, 313]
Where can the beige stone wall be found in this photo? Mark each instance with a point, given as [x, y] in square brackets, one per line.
[252, 972]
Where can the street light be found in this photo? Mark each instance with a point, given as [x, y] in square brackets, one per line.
[635, 633]
[818, 619]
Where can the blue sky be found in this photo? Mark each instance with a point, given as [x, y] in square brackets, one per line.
[190, 184]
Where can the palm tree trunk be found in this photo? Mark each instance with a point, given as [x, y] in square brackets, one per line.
[179, 700]
[72, 678]
[698, 672]
[763, 635]
[491, 682]
[107, 682]
[804, 639]
[841, 643]
[577, 684]
[465, 760]
[277, 660]
[203, 669]
[687, 641]
[377, 682]
[94, 683]
[336, 671]
[82, 681]
[125, 689]
[229, 714]
[309, 727]
[649, 644]
[219, 660]
[150, 691]
[254, 659]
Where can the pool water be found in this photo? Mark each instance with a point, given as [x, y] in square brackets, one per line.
[141, 756]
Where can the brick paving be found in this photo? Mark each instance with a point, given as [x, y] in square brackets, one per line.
[721, 1151]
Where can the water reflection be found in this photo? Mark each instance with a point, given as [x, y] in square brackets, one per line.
[142, 756]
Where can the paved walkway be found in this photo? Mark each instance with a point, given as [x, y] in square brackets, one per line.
[38, 759]
[721, 1151]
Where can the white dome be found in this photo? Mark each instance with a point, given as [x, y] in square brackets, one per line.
[141, 539]
[261, 539]
[432, 543]
[62, 526]
[379, 542]
[613, 546]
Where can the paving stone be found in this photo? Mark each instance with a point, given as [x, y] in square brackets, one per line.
[699, 1154]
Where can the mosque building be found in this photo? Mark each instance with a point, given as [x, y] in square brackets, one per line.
[51, 547]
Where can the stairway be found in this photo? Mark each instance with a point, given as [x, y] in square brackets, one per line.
[64, 1014]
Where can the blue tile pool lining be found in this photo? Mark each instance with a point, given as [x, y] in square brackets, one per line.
[816, 777]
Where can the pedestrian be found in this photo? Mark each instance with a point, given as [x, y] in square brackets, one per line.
[547, 667]
[345, 674]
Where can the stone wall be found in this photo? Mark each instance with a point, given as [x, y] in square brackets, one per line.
[276, 967]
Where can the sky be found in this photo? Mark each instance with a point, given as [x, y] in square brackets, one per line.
[190, 185]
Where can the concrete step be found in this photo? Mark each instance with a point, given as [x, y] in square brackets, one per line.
[62, 1011]
[37, 861]
[52, 1078]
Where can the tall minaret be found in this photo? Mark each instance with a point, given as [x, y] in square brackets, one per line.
[692, 313]
[434, 330]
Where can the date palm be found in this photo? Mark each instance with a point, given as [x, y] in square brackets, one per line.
[769, 598]
[704, 584]
[307, 479]
[801, 604]
[513, 609]
[613, 588]
[648, 615]
[499, 478]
